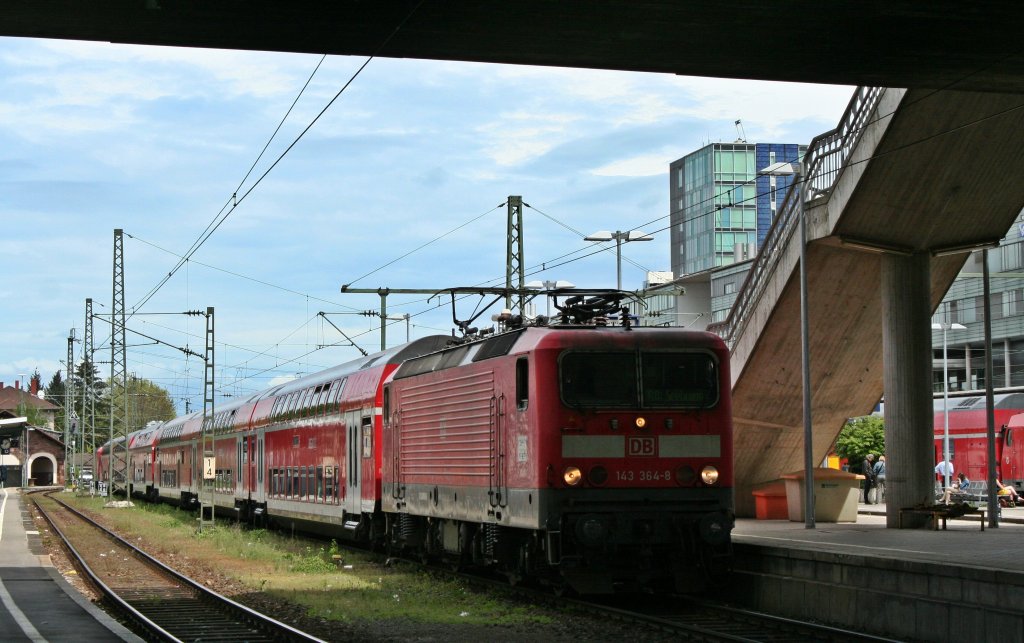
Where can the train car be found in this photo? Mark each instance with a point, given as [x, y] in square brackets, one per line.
[968, 435]
[583, 455]
[142, 460]
[311, 453]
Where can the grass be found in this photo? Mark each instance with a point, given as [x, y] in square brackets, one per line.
[329, 582]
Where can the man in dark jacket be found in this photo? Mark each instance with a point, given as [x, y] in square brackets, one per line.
[868, 469]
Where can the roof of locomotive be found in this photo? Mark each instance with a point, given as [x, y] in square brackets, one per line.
[527, 338]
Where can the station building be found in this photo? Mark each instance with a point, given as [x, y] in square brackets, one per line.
[35, 444]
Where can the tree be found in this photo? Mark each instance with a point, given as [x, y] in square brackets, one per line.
[859, 437]
[147, 402]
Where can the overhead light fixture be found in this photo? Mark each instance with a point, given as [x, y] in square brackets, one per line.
[965, 247]
[875, 246]
[782, 168]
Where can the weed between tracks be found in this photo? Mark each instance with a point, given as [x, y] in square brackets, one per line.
[327, 582]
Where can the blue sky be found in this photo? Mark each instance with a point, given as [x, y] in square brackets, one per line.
[156, 140]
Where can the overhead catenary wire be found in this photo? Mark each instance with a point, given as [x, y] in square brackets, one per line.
[233, 203]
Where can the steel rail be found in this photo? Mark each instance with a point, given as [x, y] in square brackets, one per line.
[276, 630]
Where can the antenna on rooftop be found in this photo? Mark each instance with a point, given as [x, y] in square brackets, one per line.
[741, 136]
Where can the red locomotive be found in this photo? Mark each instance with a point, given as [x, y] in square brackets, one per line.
[576, 453]
[968, 436]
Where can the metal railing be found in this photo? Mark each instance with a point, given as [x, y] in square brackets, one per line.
[823, 162]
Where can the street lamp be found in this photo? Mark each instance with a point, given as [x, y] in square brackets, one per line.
[619, 236]
[944, 327]
[795, 169]
[548, 284]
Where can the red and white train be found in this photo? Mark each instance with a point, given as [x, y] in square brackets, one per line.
[580, 454]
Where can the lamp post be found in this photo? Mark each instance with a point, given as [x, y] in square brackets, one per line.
[795, 169]
[944, 327]
[549, 284]
[619, 236]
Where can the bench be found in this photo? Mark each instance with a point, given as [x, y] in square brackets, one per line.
[976, 493]
[943, 512]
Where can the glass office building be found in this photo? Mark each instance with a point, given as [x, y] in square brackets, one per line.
[720, 208]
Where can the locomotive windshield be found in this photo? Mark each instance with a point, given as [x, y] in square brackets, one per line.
[638, 380]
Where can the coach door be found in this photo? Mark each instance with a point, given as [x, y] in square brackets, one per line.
[353, 471]
[253, 468]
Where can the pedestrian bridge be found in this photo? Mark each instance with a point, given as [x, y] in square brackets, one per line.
[916, 175]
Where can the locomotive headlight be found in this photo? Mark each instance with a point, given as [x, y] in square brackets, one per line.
[709, 475]
[572, 476]
[641, 423]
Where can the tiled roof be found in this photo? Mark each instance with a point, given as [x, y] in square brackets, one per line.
[11, 398]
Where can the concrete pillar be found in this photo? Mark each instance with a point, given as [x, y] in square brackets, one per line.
[907, 355]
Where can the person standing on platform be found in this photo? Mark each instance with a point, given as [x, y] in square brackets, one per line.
[868, 469]
[944, 470]
[879, 470]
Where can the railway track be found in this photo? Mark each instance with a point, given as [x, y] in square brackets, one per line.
[162, 604]
[687, 618]
[678, 617]
[169, 602]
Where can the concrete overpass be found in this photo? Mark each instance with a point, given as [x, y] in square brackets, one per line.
[891, 43]
[906, 177]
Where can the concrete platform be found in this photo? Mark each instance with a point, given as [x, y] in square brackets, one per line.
[36, 603]
[962, 543]
[960, 584]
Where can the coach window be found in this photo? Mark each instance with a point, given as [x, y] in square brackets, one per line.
[367, 437]
[387, 404]
[337, 395]
[331, 397]
[307, 396]
[329, 484]
[321, 398]
[522, 383]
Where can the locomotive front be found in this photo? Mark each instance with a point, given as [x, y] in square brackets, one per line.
[636, 437]
[578, 454]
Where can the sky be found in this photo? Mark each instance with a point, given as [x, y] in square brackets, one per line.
[315, 174]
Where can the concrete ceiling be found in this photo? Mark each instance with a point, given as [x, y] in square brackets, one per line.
[892, 43]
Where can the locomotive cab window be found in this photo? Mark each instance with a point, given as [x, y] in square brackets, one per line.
[598, 379]
[679, 379]
[646, 379]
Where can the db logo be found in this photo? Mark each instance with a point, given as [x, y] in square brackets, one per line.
[641, 446]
